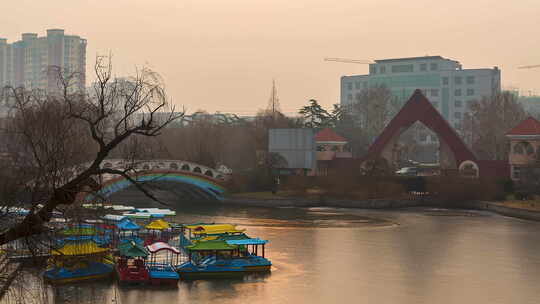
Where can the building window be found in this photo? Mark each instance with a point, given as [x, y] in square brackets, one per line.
[457, 80]
[434, 66]
[470, 79]
[445, 80]
[434, 92]
[523, 147]
[457, 115]
[423, 136]
[357, 85]
[470, 92]
[372, 69]
[515, 172]
[457, 92]
[405, 68]
[349, 85]
[457, 103]
[383, 69]
[423, 67]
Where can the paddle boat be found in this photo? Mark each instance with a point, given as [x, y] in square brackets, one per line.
[131, 265]
[160, 264]
[79, 230]
[100, 240]
[224, 259]
[113, 217]
[157, 231]
[76, 261]
[201, 231]
[120, 208]
[137, 215]
[128, 231]
[157, 212]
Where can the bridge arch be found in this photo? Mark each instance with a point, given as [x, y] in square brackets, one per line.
[210, 186]
[207, 181]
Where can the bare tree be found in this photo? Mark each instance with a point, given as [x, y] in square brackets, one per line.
[484, 128]
[52, 134]
[375, 106]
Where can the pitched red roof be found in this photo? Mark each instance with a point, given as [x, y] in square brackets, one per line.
[327, 134]
[418, 108]
[529, 126]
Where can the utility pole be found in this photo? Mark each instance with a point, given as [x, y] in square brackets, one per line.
[273, 102]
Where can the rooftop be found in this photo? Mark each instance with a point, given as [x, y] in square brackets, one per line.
[529, 126]
[409, 59]
[327, 135]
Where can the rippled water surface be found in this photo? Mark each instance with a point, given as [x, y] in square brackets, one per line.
[323, 255]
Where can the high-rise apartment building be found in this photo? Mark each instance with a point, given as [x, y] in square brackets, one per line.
[445, 83]
[30, 61]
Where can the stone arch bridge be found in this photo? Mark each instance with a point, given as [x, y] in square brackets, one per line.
[194, 180]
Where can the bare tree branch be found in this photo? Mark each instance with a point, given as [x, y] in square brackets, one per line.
[52, 134]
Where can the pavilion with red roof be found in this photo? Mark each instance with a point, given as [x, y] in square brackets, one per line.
[328, 140]
[330, 146]
[524, 145]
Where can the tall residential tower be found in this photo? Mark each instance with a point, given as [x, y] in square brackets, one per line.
[28, 62]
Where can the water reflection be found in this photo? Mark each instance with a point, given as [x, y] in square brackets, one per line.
[428, 258]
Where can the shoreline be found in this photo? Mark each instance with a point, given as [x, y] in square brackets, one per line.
[383, 204]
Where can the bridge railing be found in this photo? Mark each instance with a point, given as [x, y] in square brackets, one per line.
[162, 164]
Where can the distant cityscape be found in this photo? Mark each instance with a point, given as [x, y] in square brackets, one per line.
[449, 87]
[26, 62]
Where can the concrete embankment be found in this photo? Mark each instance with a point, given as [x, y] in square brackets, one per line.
[385, 204]
[502, 210]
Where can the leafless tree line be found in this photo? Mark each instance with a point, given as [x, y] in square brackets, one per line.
[485, 125]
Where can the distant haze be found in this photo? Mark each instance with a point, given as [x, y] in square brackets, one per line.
[222, 55]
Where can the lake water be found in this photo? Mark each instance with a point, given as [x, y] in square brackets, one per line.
[356, 256]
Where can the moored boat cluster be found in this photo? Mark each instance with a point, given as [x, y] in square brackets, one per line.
[151, 250]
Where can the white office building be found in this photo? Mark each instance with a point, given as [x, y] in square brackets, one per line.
[444, 82]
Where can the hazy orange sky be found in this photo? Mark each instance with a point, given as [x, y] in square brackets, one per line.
[222, 55]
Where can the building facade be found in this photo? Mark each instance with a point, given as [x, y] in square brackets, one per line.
[524, 147]
[448, 86]
[30, 62]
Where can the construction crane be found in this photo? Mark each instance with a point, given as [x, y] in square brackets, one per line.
[345, 60]
[529, 66]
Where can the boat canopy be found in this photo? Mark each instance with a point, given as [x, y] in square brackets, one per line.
[158, 225]
[132, 250]
[255, 241]
[158, 246]
[114, 217]
[241, 236]
[80, 230]
[100, 240]
[214, 229]
[211, 245]
[127, 224]
[223, 237]
[79, 248]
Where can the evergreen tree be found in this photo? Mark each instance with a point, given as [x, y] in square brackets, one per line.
[314, 115]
